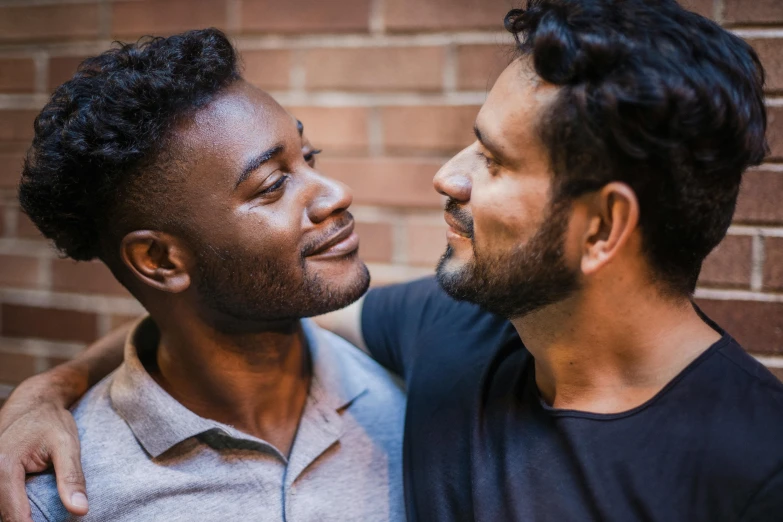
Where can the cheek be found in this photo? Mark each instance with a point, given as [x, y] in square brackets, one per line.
[507, 211]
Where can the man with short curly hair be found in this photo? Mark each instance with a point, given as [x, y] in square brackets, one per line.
[200, 193]
[560, 370]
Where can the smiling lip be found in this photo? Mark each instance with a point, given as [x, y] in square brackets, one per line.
[455, 230]
[344, 242]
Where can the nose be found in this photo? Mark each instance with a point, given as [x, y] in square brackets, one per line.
[453, 180]
[333, 198]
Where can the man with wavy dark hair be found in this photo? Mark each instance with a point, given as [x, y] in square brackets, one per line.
[200, 193]
[566, 374]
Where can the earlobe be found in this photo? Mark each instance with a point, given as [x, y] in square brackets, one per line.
[615, 217]
[156, 259]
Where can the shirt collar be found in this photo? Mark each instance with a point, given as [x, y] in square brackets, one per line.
[159, 422]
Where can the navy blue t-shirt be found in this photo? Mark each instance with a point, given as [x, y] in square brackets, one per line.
[480, 444]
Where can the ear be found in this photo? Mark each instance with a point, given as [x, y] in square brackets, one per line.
[157, 259]
[614, 217]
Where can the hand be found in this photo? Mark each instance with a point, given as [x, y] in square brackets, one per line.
[37, 430]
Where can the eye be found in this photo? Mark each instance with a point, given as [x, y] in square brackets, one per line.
[489, 161]
[310, 156]
[275, 187]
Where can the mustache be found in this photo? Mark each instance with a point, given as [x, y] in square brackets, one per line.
[460, 215]
[345, 219]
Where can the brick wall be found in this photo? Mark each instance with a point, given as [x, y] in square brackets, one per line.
[389, 88]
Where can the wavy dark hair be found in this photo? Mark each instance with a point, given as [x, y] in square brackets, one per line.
[657, 97]
[94, 170]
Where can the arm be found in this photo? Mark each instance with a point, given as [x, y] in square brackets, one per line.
[347, 323]
[37, 429]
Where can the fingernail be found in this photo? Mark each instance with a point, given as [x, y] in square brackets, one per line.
[79, 500]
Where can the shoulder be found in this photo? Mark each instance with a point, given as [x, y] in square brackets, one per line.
[737, 406]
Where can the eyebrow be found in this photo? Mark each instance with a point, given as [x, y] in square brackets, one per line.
[484, 141]
[256, 162]
[300, 128]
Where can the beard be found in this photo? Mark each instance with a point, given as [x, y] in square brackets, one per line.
[245, 288]
[517, 282]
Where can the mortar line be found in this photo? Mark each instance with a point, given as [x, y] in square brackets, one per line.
[757, 267]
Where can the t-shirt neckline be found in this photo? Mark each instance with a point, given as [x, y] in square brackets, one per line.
[556, 412]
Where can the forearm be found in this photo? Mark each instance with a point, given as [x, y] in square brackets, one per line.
[346, 323]
[66, 383]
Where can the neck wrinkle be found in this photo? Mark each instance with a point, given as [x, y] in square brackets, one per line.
[611, 354]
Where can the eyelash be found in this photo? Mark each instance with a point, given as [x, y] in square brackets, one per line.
[274, 188]
[486, 158]
[311, 155]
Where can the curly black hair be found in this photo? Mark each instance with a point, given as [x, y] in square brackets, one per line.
[657, 97]
[94, 167]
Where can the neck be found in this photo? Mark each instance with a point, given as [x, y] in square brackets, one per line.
[257, 382]
[609, 353]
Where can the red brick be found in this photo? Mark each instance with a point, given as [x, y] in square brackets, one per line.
[773, 263]
[703, 7]
[753, 11]
[18, 271]
[16, 367]
[51, 362]
[775, 132]
[480, 65]
[17, 125]
[25, 227]
[84, 278]
[335, 129]
[759, 198]
[17, 75]
[376, 243]
[426, 243]
[770, 51]
[428, 130]
[11, 156]
[48, 323]
[62, 69]
[269, 70]
[48, 22]
[375, 69]
[305, 16]
[387, 181]
[438, 15]
[777, 372]
[164, 17]
[758, 326]
[729, 264]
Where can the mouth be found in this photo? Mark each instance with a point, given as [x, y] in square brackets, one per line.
[342, 243]
[456, 231]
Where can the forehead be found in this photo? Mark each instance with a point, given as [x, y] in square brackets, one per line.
[515, 105]
[242, 118]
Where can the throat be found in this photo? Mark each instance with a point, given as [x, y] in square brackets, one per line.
[257, 383]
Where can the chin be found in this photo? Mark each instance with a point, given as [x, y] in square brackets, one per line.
[338, 285]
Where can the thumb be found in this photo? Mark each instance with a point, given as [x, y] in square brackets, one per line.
[66, 459]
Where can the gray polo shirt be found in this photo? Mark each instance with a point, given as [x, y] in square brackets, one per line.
[148, 458]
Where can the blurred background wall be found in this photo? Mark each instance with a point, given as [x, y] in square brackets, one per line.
[389, 89]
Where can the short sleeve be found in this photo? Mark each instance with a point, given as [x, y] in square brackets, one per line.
[37, 514]
[767, 504]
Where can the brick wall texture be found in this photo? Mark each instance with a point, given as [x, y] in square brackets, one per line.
[389, 88]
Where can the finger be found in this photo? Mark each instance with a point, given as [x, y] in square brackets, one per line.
[66, 459]
[14, 504]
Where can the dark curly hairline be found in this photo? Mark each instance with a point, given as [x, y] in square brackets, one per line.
[573, 136]
[98, 163]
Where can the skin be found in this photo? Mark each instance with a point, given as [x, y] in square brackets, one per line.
[596, 350]
[249, 372]
[607, 347]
